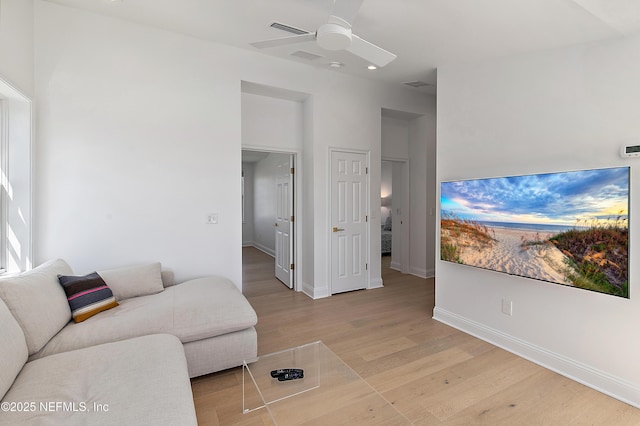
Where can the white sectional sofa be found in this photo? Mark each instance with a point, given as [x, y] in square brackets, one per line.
[126, 365]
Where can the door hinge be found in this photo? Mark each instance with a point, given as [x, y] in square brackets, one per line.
[293, 170]
[366, 266]
[366, 218]
[293, 266]
[293, 218]
[366, 170]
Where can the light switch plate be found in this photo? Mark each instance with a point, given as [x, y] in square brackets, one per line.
[507, 307]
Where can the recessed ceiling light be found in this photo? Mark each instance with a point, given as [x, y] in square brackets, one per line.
[372, 67]
[336, 64]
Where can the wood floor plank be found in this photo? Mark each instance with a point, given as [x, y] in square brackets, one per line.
[417, 370]
[431, 373]
[385, 348]
[488, 383]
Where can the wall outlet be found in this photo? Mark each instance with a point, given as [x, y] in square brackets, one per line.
[507, 307]
[212, 219]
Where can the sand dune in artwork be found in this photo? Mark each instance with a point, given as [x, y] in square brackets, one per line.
[507, 253]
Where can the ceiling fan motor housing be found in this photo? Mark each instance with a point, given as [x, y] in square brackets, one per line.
[332, 36]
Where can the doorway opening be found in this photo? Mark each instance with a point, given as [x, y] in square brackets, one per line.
[394, 214]
[268, 209]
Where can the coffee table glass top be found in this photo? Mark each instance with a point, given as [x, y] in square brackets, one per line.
[329, 393]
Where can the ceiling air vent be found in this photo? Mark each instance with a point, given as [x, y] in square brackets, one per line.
[417, 84]
[306, 55]
[287, 28]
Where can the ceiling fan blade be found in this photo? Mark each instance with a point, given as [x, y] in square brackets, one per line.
[346, 9]
[284, 41]
[370, 52]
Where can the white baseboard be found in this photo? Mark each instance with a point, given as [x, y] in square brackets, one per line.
[375, 283]
[307, 289]
[396, 266]
[247, 244]
[314, 292]
[601, 381]
[418, 272]
[264, 249]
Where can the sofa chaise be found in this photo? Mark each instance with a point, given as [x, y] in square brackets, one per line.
[129, 364]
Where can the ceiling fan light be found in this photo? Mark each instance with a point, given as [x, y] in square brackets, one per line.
[333, 37]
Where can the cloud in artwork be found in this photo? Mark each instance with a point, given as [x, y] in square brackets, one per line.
[558, 198]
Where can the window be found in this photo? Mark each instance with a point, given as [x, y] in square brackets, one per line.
[15, 180]
[4, 184]
[242, 185]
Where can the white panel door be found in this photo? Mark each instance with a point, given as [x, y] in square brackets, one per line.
[348, 221]
[284, 225]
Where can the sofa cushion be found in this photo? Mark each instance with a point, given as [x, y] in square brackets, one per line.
[134, 281]
[13, 349]
[88, 295]
[167, 278]
[192, 310]
[37, 301]
[144, 382]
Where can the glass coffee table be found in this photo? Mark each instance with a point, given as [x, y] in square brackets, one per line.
[329, 393]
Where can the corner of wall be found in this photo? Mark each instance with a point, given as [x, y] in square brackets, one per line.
[375, 283]
[315, 292]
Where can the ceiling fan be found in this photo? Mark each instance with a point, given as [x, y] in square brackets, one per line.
[336, 34]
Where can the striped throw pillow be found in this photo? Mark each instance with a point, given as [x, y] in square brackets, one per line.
[87, 295]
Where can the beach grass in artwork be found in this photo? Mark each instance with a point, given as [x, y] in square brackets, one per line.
[568, 228]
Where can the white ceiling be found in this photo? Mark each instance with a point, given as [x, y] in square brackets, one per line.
[424, 34]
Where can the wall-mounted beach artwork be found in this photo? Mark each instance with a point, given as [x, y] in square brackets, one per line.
[569, 228]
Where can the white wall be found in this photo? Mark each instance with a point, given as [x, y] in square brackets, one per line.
[421, 169]
[423, 193]
[141, 132]
[247, 225]
[306, 267]
[139, 136]
[271, 122]
[395, 138]
[16, 44]
[342, 121]
[565, 109]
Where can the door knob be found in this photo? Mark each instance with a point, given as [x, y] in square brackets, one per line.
[275, 224]
[337, 229]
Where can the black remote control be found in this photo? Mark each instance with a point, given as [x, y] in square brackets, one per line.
[283, 374]
[299, 374]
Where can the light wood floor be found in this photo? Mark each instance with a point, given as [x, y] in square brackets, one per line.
[432, 373]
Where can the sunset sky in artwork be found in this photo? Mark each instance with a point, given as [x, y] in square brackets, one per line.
[565, 198]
